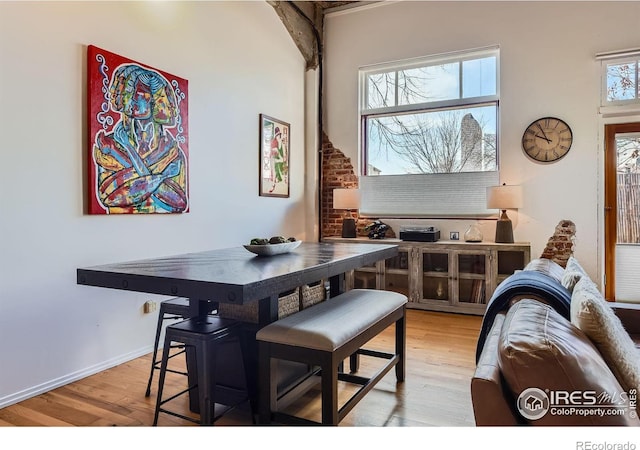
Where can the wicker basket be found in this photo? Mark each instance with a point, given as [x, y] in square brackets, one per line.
[288, 303]
[310, 294]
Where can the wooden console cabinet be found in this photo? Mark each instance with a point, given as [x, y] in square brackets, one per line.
[448, 276]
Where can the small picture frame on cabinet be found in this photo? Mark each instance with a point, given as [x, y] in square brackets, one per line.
[454, 236]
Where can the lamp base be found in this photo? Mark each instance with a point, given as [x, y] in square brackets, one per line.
[504, 229]
[348, 228]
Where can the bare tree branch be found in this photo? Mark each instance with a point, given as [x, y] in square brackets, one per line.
[433, 148]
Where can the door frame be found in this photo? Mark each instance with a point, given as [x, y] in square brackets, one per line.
[611, 202]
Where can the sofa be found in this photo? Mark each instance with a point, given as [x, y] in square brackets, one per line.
[553, 352]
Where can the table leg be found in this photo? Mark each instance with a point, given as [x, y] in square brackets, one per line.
[267, 313]
[336, 285]
[201, 308]
[249, 347]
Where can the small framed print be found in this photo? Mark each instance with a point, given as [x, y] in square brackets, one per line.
[454, 236]
[274, 157]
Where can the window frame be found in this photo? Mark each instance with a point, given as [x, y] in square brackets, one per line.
[611, 201]
[604, 100]
[617, 107]
[364, 157]
[365, 114]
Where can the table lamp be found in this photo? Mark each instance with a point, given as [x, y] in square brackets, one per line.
[504, 197]
[348, 199]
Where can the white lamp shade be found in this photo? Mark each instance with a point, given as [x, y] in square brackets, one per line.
[504, 197]
[346, 199]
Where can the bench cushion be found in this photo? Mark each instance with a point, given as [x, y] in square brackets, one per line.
[317, 327]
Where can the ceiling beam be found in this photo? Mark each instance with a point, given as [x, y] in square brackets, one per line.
[304, 22]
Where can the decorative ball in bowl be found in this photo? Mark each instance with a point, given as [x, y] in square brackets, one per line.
[274, 246]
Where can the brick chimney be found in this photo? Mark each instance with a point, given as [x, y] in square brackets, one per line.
[337, 172]
[560, 246]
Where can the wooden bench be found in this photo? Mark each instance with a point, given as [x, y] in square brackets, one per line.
[323, 336]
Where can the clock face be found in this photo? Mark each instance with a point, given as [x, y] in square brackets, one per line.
[547, 139]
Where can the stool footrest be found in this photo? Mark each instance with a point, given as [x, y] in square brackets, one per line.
[166, 400]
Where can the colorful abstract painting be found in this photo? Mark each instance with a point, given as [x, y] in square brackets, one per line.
[138, 137]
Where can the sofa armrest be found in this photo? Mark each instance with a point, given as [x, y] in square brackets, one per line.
[492, 405]
[629, 315]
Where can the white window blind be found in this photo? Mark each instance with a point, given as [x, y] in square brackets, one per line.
[627, 270]
[427, 195]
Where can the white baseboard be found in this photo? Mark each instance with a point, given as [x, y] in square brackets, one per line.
[70, 378]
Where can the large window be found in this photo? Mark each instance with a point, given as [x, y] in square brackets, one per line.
[429, 130]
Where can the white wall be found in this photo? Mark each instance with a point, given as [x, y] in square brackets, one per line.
[547, 69]
[239, 61]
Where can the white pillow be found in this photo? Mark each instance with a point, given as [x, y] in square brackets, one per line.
[573, 271]
[590, 313]
[546, 266]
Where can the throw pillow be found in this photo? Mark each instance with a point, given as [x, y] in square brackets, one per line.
[540, 352]
[591, 313]
[546, 266]
[572, 274]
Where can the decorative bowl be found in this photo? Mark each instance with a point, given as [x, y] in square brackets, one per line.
[273, 249]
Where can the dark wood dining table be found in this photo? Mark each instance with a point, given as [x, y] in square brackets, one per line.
[234, 275]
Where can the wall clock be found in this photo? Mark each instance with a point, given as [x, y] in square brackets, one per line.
[547, 139]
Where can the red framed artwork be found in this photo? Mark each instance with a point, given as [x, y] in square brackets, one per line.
[138, 137]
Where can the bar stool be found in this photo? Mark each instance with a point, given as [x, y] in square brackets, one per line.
[203, 338]
[172, 309]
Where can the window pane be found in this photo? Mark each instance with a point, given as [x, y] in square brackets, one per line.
[430, 124]
[628, 151]
[428, 84]
[450, 141]
[381, 90]
[479, 77]
[621, 81]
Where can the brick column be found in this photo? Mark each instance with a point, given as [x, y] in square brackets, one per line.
[337, 172]
[560, 246]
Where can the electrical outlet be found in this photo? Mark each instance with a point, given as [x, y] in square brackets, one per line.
[149, 307]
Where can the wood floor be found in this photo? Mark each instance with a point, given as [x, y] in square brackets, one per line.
[440, 363]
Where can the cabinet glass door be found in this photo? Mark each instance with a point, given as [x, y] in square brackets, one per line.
[472, 278]
[508, 262]
[435, 277]
[365, 277]
[397, 272]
